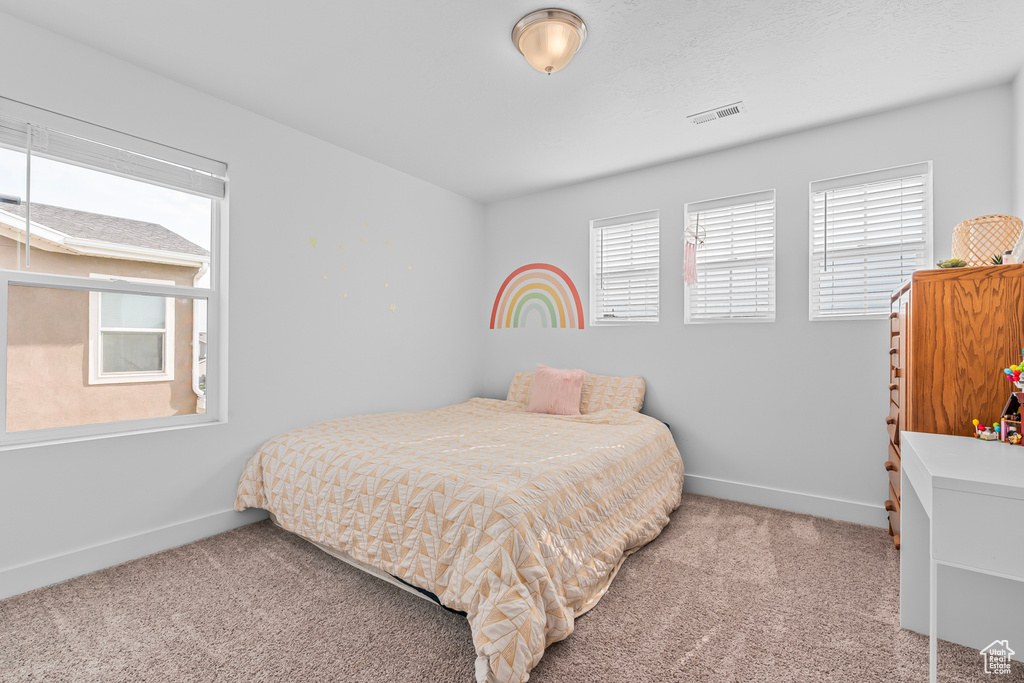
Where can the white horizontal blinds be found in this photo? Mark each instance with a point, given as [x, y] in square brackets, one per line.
[736, 263]
[625, 270]
[866, 239]
[13, 134]
[134, 158]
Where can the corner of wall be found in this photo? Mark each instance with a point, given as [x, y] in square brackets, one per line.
[1017, 113]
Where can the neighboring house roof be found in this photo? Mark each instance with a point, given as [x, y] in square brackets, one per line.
[95, 226]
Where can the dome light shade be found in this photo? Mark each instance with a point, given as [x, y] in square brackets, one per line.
[549, 38]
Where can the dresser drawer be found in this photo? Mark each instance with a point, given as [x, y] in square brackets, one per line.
[894, 392]
[893, 507]
[980, 529]
[892, 423]
[894, 454]
[893, 468]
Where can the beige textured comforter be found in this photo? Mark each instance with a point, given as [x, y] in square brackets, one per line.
[518, 519]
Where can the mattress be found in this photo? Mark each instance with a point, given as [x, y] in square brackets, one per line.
[520, 520]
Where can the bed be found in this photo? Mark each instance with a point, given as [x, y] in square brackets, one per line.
[520, 520]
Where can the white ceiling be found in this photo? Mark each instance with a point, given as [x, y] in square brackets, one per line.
[436, 88]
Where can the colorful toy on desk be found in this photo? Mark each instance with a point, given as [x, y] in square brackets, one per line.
[986, 433]
[1013, 374]
[1010, 422]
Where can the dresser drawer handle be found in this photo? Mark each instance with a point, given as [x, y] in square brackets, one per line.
[890, 420]
[894, 315]
[893, 352]
[894, 386]
[890, 466]
[890, 506]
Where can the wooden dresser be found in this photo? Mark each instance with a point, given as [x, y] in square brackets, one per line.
[951, 333]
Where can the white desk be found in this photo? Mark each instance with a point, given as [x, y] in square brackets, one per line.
[962, 507]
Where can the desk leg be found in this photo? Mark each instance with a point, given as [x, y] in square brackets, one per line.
[933, 621]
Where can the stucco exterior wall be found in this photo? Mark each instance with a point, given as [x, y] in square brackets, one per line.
[48, 349]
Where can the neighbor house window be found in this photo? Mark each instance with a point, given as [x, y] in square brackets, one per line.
[110, 283]
[735, 259]
[131, 336]
[868, 233]
[624, 275]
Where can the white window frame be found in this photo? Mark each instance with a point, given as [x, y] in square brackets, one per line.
[723, 203]
[157, 164]
[846, 182]
[597, 225]
[96, 330]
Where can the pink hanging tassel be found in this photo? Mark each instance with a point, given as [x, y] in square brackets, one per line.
[690, 263]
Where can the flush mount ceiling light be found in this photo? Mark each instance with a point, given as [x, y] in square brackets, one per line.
[549, 38]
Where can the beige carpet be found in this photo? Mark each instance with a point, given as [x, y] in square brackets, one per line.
[728, 592]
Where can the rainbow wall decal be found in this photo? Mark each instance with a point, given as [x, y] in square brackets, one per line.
[537, 289]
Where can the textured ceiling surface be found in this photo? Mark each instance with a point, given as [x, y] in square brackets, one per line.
[436, 89]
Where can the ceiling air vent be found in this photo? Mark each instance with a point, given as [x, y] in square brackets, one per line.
[716, 113]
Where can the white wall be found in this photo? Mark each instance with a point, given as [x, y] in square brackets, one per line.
[299, 351]
[1018, 144]
[789, 414]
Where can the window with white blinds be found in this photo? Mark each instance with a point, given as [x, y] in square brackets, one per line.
[624, 269]
[736, 262]
[869, 232]
[152, 218]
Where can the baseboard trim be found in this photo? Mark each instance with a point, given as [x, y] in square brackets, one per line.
[794, 501]
[51, 570]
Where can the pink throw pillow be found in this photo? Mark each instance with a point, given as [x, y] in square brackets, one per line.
[556, 392]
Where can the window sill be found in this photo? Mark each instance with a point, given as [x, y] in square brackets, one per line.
[840, 318]
[728, 321]
[129, 378]
[622, 321]
[69, 435]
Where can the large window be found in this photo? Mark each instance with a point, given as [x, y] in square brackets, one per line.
[735, 259]
[624, 255]
[109, 280]
[868, 233]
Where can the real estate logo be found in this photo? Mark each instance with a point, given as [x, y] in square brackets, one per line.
[997, 657]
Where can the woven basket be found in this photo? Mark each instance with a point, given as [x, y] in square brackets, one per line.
[977, 240]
